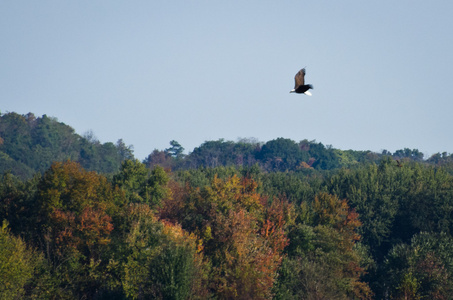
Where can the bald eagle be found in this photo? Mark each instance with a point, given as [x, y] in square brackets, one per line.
[300, 87]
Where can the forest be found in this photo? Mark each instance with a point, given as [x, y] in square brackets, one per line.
[230, 220]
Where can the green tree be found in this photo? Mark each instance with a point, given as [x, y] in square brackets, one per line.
[281, 154]
[18, 204]
[176, 150]
[17, 264]
[422, 269]
[325, 260]
[218, 153]
[295, 187]
[408, 153]
[124, 152]
[141, 185]
[428, 203]
[132, 178]
[162, 261]
[376, 193]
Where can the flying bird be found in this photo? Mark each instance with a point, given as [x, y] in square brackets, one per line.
[300, 87]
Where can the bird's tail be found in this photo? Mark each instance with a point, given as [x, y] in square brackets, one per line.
[307, 93]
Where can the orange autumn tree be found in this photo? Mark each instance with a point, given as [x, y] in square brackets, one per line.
[74, 215]
[243, 240]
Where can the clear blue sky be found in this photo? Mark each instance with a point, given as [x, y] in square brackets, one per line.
[154, 71]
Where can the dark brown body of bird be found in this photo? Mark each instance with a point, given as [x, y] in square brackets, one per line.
[300, 87]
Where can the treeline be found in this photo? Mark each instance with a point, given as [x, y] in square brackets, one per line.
[379, 231]
[29, 144]
[282, 154]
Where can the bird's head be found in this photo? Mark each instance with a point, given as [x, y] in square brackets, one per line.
[292, 91]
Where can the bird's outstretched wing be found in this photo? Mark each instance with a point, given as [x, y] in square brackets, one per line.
[299, 78]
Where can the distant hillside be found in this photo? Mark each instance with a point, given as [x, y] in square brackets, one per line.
[29, 144]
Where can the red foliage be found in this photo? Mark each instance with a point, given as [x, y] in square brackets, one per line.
[83, 233]
[243, 234]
